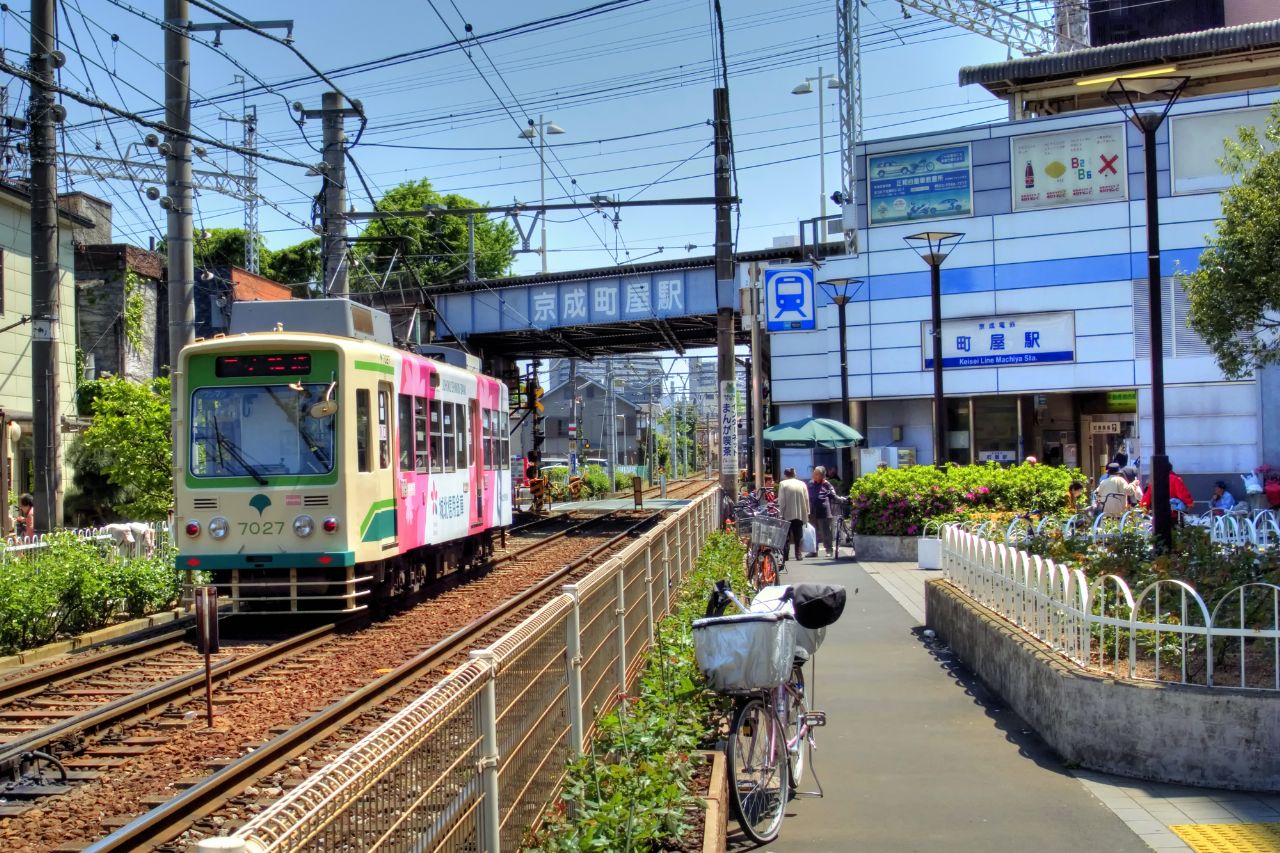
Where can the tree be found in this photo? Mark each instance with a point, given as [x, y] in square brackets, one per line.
[129, 442]
[298, 264]
[435, 247]
[1234, 294]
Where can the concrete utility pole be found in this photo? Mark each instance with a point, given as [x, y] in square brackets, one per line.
[44, 112]
[333, 251]
[725, 371]
[757, 379]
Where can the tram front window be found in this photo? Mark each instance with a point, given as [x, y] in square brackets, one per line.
[261, 431]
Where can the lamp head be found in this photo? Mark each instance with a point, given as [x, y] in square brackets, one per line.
[554, 128]
[841, 290]
[805, 88]
[934, 246]
[1127, 93]
[834, 82]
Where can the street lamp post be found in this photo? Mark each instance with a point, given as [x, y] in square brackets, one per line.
[539, 130]
[933, 248]
[832, 81]
[1127, 94]
[841, 292]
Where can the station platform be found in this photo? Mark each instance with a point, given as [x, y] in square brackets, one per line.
[918, 755]
[615, 504]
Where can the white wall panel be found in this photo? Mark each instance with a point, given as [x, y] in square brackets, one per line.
[1064, 297]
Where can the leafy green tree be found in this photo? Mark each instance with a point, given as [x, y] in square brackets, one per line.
[1235, 292]
[129, 442]
[435, 247]
[297, 264]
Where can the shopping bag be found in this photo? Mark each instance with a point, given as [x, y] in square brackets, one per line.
[809, 542]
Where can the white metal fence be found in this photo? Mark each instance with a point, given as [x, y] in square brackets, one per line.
[1165, 631]
[469, 764]
[130, 539]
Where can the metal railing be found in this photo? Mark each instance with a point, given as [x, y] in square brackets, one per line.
[470, 764]
[1166, 631]
[136, 539]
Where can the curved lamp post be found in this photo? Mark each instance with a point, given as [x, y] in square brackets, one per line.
[933, 248]
[841, 291]
[1127, 94]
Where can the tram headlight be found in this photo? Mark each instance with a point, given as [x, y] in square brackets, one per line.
[303, 525]
[193, 529]
[330, 525]
[219, 527]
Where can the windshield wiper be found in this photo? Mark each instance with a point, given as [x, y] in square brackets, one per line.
[228, 445]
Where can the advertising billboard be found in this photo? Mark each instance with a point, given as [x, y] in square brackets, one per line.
[912, 186]
[1082, 166]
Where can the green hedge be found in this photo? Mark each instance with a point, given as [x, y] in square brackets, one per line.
[72, 586]
[900, 501]
[632, 790]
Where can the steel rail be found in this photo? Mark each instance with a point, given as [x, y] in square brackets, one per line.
[138, 704]
[26, 685]
[170, 819]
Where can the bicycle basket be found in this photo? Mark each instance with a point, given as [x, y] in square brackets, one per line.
[769, 531]
[745, 652]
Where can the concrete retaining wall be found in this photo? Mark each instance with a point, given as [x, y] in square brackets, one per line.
[885, 549]
[1213, 737]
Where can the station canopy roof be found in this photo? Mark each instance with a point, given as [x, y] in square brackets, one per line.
[1226, 59]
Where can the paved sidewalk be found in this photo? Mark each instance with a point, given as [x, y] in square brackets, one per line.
[917, 755]
[987, 781]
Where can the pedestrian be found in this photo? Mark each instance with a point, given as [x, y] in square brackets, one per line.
[1132, 485]
[1074, 491]
[26, 522]
[1112, 493]
[793, 504]
[821, 496]
[1180, 499]
[1222, 500]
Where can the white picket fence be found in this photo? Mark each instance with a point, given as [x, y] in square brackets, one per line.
[1259, 529]
[147, 538]
[1166, 631]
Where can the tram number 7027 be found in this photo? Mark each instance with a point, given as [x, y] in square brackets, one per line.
[262, 527]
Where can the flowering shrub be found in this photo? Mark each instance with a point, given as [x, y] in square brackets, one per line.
[899, 502]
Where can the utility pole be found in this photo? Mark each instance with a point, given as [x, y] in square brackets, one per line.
[179, 198]
[43, 114]
[252, 259]
[333, 220]
[725, 371]
[471, 249]
[757, 379]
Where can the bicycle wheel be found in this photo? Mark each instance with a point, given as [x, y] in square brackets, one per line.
[758, 774]
[765, 571]
[795, 720]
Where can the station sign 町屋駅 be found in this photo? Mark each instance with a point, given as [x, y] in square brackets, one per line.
[913, 186]
[1003, 340]
[1082, 166]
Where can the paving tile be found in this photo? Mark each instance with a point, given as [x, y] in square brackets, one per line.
[1146, 826]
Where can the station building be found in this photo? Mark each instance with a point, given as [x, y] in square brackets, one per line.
[1044, 299]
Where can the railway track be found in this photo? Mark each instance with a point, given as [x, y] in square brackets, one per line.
[116, 741]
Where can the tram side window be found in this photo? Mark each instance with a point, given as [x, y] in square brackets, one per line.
[486, 418]
[437, 438]
[363, 462]
[464, 445]
[504, 456]
[447, 428]
[419, 436]
[404, 431]
[384, 428]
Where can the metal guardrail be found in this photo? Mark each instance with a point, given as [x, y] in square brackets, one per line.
[1165, 632]
[469, 764]
[142, 539]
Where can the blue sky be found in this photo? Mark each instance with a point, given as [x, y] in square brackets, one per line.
[638, 78]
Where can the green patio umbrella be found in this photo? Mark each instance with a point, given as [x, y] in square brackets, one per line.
[811, 432]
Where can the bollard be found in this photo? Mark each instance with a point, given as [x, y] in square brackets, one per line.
[637, 488]
[662, 485]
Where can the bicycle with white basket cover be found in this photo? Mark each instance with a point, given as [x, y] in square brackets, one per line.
[758, 656]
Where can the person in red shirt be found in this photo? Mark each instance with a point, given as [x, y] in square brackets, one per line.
[1180, 499]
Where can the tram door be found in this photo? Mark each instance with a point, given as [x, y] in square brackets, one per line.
[478, 465]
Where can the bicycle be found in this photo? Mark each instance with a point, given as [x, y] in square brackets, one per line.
[842, 530]
[767, 555]
[758, 657]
